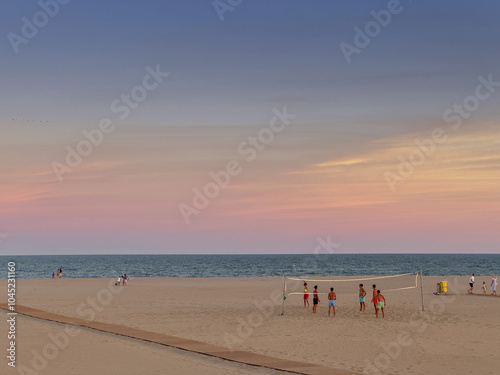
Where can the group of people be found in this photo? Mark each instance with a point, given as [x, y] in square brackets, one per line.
[122, 280]
[378, 299]
[59, 273]
[493, 285]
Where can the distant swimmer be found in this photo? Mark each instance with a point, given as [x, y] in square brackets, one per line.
[380, 303]
[332, 297]
[306, 295]
[471, 283]
[315, 299]
[494, 283]
[362, 295]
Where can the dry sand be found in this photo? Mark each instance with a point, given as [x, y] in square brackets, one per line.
[457, 334]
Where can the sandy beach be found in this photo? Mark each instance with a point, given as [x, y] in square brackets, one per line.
[457, 333]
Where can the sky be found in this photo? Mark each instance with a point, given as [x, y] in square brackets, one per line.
[190, 127]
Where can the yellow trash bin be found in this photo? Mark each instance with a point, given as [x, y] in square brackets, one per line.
[443, 287]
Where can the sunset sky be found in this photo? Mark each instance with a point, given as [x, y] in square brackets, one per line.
[345, 163]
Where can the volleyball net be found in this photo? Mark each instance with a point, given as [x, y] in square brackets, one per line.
[294, 286]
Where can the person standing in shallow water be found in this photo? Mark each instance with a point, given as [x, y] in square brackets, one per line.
[315, 299]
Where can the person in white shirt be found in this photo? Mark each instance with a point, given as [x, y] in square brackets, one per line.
[494, 285]
[471, 283]
[119, 280]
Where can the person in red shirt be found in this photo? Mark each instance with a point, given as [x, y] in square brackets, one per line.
[306, 295]
[374, 299]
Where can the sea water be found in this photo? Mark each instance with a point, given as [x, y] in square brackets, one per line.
[81, 266]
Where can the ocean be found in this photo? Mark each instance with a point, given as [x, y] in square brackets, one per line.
[82, 266]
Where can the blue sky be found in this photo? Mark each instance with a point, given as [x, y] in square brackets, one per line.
[263, 53]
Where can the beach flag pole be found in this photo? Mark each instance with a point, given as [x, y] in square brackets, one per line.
[422, 290]
[284, 295]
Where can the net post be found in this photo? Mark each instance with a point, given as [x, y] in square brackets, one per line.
[422, 290]
[284, 292]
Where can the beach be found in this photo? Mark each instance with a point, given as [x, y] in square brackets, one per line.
[457, 332]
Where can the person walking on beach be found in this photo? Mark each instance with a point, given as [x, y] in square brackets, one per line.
[306, 295]
[125, 279]
[119, 280]
[315, 299]
[362, 295]
[484, 288]
[471, 283]
[53, 274]
[374, 299]
[331, 301]
[380, 303]
[494, 285]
